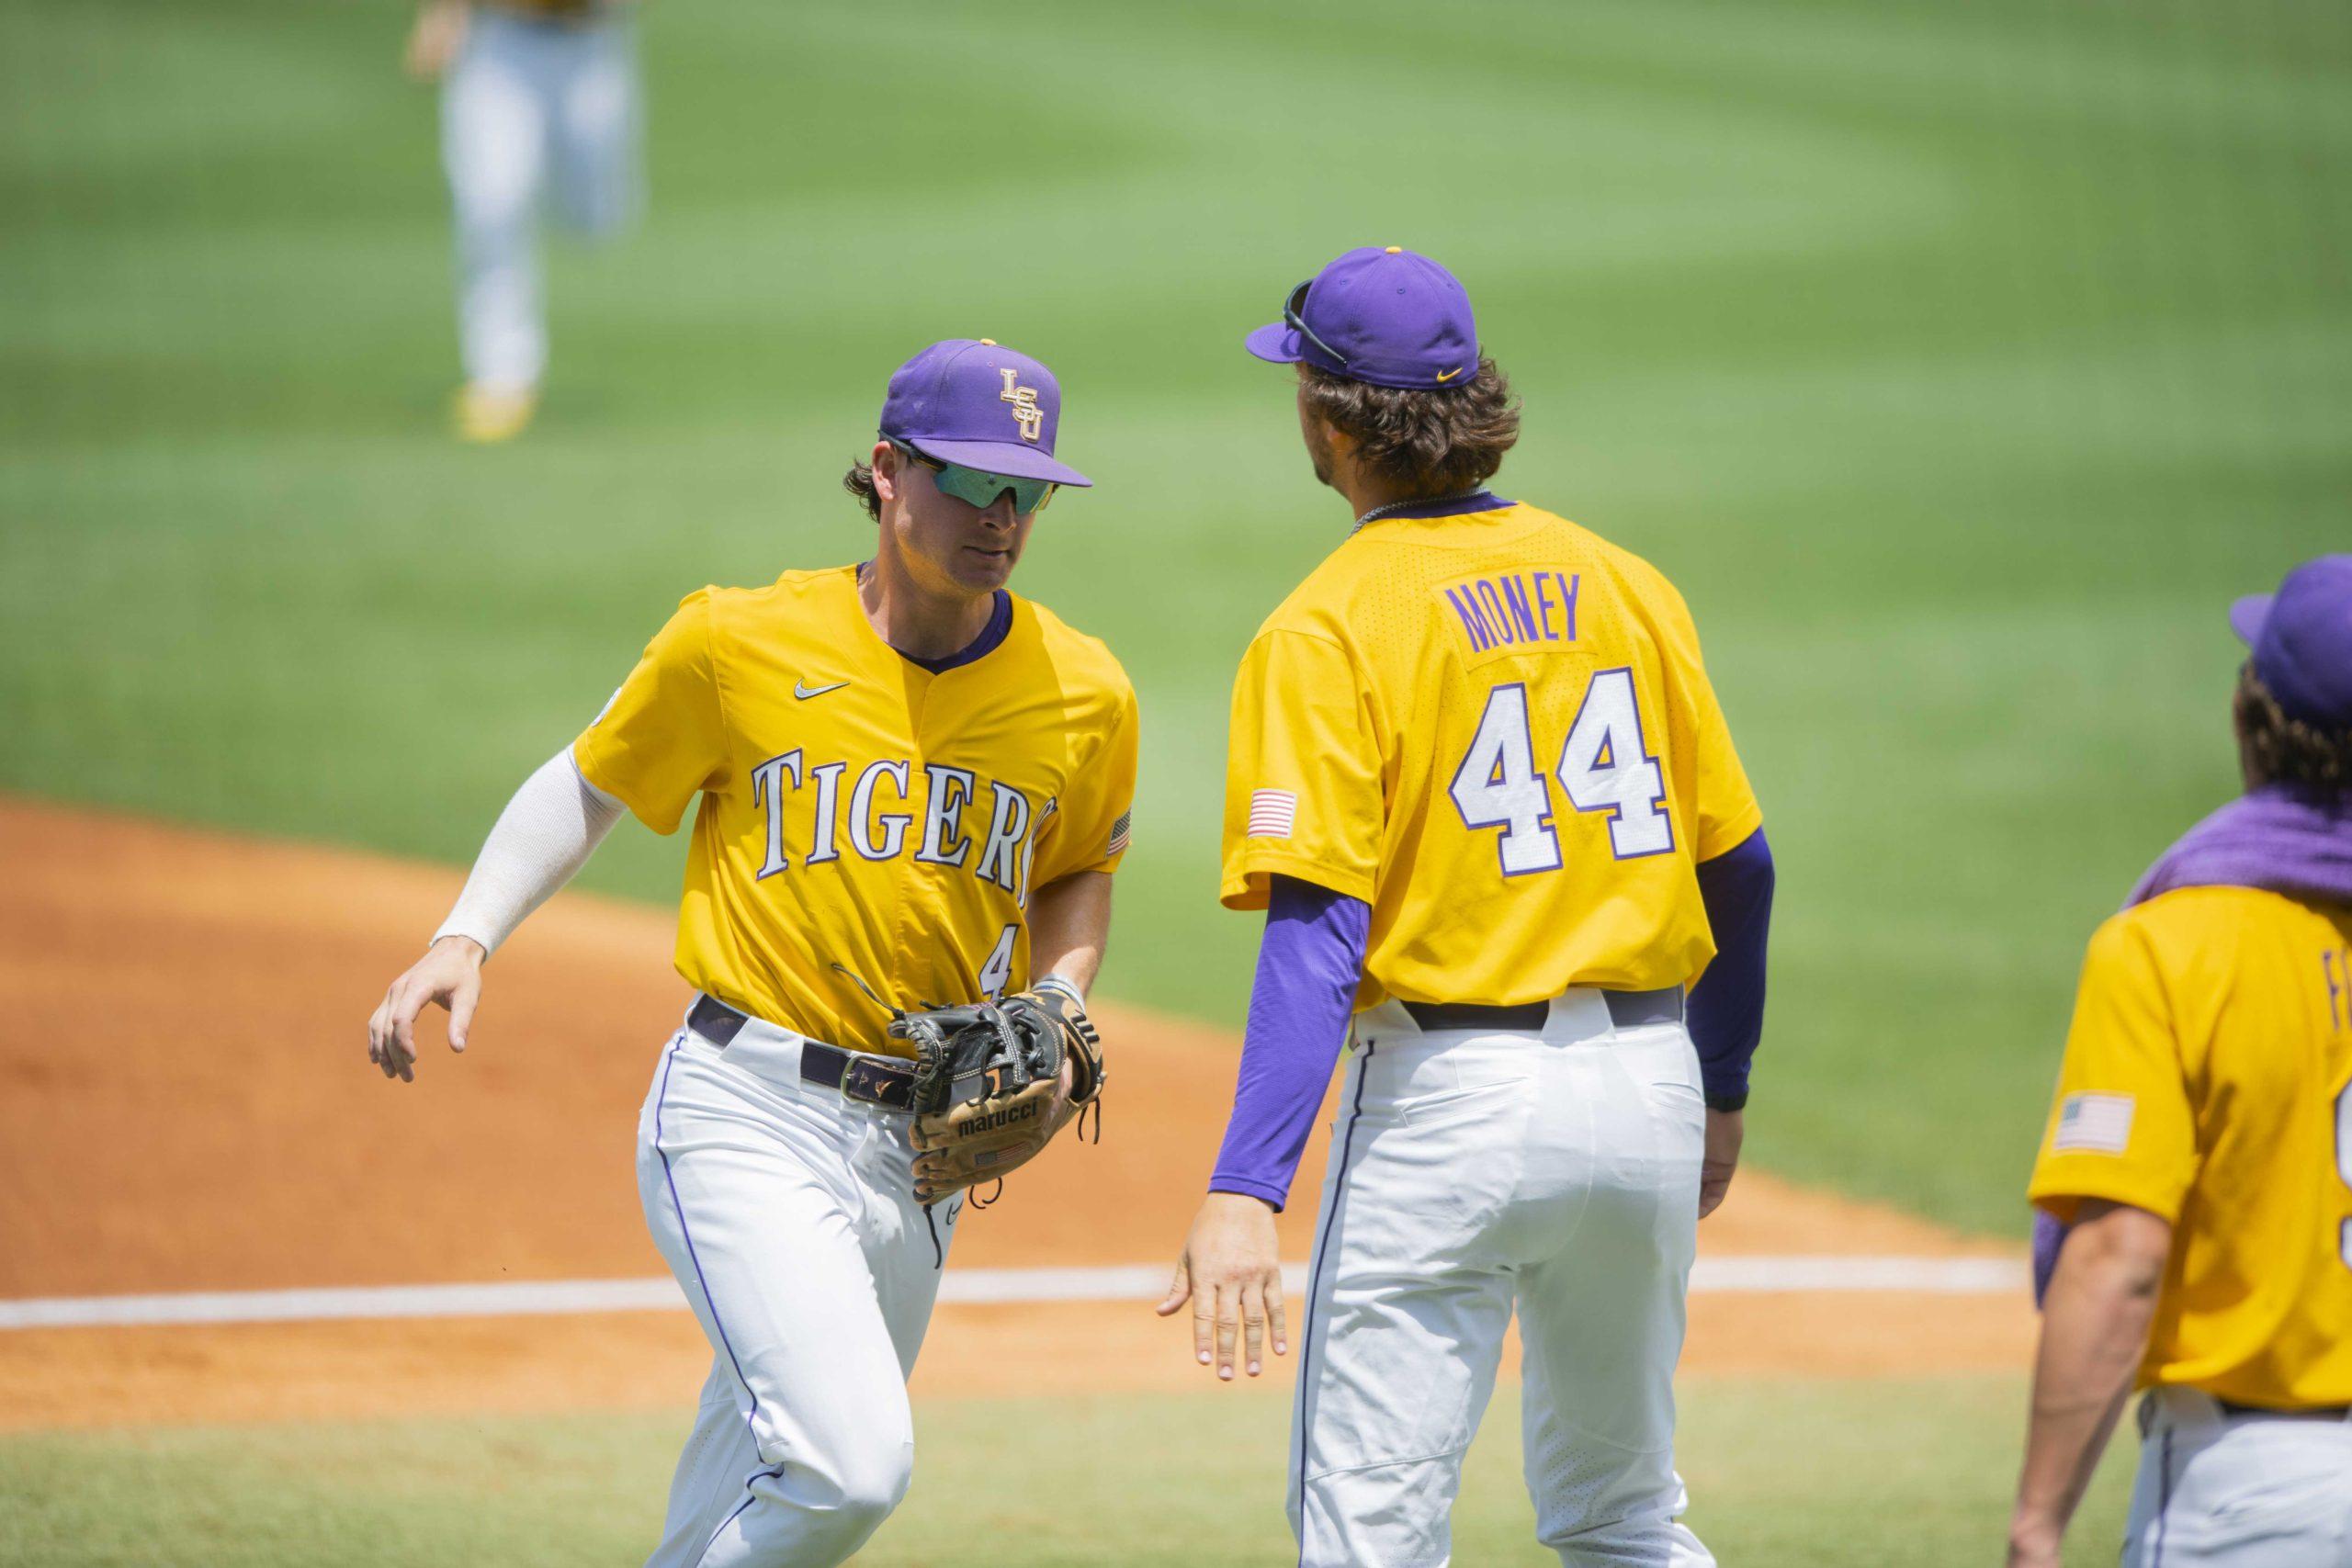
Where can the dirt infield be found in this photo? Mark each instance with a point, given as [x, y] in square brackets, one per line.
[186, 1104]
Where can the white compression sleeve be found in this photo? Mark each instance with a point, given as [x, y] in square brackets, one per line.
[544, 835]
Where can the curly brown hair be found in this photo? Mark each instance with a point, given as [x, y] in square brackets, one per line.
[859, 482]
[2281, 750]
[1442, 440]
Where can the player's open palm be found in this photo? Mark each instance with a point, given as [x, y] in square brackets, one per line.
[450, 975]
[1232, 1273]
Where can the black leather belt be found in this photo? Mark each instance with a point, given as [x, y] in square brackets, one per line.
[1627, 1010]
[2322, 1413]
[885, 1081]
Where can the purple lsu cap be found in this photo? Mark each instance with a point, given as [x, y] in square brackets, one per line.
[1385, 315]
[2301, 637]
[974, 401]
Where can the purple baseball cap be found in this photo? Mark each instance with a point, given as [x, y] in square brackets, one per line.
[1385, 315]
[2301, 637]
[974, 401]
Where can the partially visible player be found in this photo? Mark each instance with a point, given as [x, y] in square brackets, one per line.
[2200, 1151]
[540, 99]
[903, 777]
[1480, 785]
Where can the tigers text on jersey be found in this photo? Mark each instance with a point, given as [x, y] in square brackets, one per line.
[2205, 1081]
[859, 808]
[1494, 729]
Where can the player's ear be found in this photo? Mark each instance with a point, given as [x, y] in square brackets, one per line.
[1319, 430]
[885, 463]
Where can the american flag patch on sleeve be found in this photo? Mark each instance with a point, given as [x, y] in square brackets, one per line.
[1272, 812]
[2092, 1123]
[1119, 832]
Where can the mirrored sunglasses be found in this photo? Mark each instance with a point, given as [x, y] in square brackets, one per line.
[979, 487]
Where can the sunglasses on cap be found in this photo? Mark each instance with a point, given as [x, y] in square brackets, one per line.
[979, 487]
[1294, 317]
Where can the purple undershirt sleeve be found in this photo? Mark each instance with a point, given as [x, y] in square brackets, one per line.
[1726, 1010]
[1308, 962]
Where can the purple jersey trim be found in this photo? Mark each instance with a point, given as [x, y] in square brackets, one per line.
[999, 626]
[1308, 962]
[1726, 1010]
[1454, 506]
[999, 623]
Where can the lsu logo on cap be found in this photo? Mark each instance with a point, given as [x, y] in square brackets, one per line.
[1026, 412]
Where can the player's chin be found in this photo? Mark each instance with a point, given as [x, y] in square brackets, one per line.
[983, 566]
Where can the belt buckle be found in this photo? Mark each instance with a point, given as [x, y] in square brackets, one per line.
[877, 1081]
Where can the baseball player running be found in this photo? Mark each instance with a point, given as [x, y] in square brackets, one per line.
[910, 782]
[2194, 1192]
[1481, 788]
[537, 95]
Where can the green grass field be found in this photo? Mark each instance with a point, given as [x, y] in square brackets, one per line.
[1913, 1473]
[1959, 361]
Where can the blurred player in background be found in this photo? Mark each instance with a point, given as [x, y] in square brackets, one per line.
[1480, 785]
[538, 98]
[2194, 1193]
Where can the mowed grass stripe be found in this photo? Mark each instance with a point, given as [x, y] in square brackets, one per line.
[1783, 1472]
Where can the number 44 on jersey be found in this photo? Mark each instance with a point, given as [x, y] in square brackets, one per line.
[1604, 765]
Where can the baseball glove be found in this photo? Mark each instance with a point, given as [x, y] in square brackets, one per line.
[993, 1084]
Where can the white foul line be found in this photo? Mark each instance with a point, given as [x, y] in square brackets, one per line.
[521, 1298]
[991, 1287]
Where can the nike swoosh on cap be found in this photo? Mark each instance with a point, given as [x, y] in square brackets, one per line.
[805, 693]
[1448, 375]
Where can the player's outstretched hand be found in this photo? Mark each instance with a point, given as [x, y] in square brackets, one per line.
[1725, 1129]
[449, 973]
[1232, 1273]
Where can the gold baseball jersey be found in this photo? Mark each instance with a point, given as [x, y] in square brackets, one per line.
[1493, 727]
[858, 808]
[2205, 1081]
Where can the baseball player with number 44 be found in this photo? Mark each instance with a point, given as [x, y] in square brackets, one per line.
[913, 790]
[1481, 786]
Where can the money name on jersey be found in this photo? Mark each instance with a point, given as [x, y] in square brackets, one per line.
[1005, 848]
[1510, 608]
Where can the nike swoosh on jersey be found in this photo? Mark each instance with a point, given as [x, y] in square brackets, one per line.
[805, 693]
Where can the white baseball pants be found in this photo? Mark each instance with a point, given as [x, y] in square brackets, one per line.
[1471, 1175]
[530, 104]
[787, 1214]
[2218, 1491]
